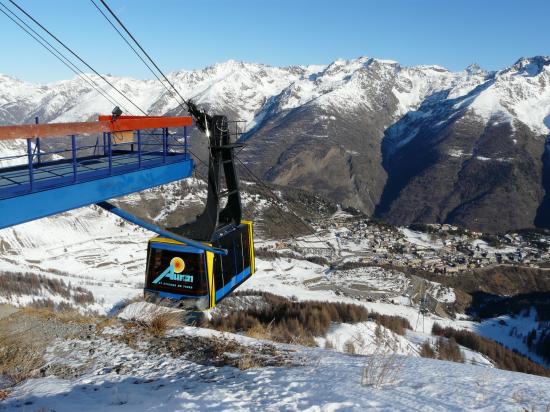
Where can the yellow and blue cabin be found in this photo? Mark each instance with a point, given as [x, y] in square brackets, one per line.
[196, 279]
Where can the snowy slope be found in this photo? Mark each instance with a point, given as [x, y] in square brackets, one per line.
[101, 253]
[94, 250]
[520, 93]
[106, 256]
[242, 87]
[120, 378]
[86, 247]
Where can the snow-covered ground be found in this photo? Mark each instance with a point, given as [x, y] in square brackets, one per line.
[292, 277]
[121, 378]
[86, 247]
[421, 239]
[511, 331]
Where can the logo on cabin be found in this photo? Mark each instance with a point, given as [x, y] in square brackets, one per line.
[178, 264]
[173, 272]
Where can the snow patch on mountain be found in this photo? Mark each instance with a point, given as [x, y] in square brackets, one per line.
[88, 247]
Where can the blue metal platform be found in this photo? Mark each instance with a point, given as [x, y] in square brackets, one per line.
[42, 188]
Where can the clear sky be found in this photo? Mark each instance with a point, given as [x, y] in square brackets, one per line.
[183, 34]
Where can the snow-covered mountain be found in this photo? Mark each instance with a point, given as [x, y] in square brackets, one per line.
[253, 90]
[242, 87]
[417, 143]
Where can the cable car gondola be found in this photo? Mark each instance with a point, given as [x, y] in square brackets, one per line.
[198, 279]
[192, 277]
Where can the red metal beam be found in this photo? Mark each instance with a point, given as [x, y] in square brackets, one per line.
[105, 124]
[125, 123]
[27, 131]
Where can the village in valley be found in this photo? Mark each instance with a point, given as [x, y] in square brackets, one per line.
[437, 248]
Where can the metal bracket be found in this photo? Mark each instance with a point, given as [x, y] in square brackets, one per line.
[153, 228]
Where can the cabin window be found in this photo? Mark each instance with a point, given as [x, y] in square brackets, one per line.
[236, 261]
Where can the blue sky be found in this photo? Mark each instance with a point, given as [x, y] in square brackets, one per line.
[192, 34]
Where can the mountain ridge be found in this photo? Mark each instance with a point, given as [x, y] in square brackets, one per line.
[354, 130]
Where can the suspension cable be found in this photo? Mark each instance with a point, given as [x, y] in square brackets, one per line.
[58, 55]
[186, 103]
[278, 209]
[143, 50]
[133, 49]
[273, 194]
[77, 56]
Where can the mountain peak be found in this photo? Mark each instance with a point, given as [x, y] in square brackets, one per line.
[475, 69]
[531, 66]
[9, 78]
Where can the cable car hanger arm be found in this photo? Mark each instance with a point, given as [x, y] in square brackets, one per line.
[153, 228]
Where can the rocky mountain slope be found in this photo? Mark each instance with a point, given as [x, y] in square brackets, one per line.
[409, 144]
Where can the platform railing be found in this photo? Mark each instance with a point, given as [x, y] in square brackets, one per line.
[147, 148]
